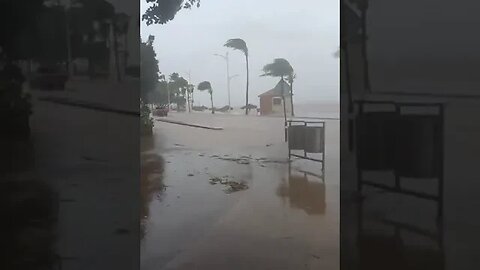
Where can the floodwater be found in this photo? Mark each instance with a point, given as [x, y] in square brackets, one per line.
[314, 109]
[229, 199]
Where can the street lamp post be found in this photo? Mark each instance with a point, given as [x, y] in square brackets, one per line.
[229, 79]
[66, 9]
[225, 57]
[67, 6]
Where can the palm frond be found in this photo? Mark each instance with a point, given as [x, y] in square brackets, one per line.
[205, 85]
[280, 67]
[237, 44]
[291, 77]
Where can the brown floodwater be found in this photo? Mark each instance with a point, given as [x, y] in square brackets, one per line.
[284, 215]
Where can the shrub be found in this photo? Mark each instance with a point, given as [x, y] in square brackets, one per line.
[146, 121]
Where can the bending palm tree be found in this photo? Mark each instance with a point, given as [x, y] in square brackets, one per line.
[239, 44]
[291, 77]
[281, 68]
[206, 85]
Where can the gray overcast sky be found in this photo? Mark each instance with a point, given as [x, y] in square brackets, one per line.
[305, 32]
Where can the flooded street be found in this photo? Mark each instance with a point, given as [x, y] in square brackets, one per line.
[229, 199]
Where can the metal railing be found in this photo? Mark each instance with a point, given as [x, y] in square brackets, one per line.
[301, 140]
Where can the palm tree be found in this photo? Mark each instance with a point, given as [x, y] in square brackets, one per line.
[291, 78]
[206, 85]
[241, 45]
[363, 6]
[190, 89]
[177, 87]
[280, 68]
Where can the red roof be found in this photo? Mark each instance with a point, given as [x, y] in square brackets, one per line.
[277, 91]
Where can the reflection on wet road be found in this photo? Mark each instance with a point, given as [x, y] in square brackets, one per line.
[287, 218]
[305, 192]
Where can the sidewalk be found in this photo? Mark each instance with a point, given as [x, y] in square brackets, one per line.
[120, 97]
[187, 124]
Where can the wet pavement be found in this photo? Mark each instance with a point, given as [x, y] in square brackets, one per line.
[279, 215]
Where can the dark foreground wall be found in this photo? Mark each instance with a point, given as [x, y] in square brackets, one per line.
[416, 52]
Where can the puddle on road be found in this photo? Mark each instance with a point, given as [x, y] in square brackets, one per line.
[304, 191]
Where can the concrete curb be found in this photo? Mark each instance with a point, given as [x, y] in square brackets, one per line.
[189, 125]
[87, 105]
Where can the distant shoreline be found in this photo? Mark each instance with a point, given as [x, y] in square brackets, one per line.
[322, 103]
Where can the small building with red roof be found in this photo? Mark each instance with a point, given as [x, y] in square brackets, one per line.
[271, 102]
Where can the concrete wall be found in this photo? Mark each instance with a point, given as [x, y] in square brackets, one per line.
[267, 107]
[276, 108]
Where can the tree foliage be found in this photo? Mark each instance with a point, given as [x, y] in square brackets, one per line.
[237, 44]
[207, 86]
[163, 11]
[149, 66]
[160, 94]
[279, 68]
[178, 86]
[241, 45]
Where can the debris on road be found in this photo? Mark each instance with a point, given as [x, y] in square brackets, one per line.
[245, 160]
[217, 180]
[240, 160]
[233, 186]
